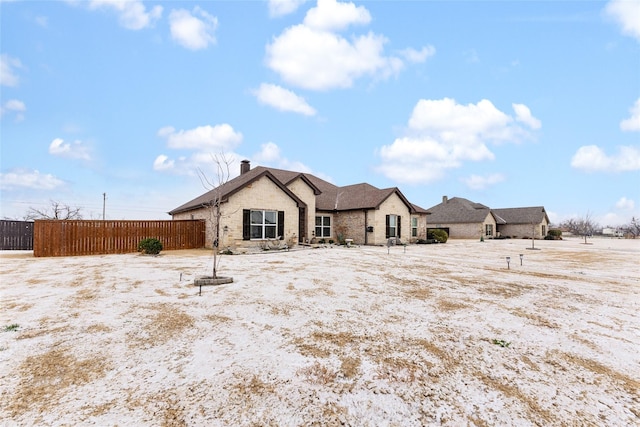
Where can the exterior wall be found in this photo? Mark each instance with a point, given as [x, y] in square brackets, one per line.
[524, 230]
[305, 193]
[351, 225]
[377, 218]
[422, 228]
[262, 194]
[468, 230]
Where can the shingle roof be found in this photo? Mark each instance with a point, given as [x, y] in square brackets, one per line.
[329, 197]
[528, 215]
[232, 186]
[457, 210]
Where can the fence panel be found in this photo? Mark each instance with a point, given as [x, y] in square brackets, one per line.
[16, 235]
[94, 237]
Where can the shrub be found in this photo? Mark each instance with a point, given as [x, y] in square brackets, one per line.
[440, 235]
[150, 246]
[555, 234]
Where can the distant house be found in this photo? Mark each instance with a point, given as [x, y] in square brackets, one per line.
[264, 204]
[464, 219]
[530, 222]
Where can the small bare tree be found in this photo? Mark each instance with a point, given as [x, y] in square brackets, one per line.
[632, 228]
[222, 175]
[55, 210]
[584, 226]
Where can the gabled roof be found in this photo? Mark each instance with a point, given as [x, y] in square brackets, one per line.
[458, 210]
[329, 197]
[224, 191]
[528, 215]
[356, 197]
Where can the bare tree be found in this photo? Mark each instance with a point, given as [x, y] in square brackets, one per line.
[632, 228]
[213, 204]
[584, 226]
[55, 210]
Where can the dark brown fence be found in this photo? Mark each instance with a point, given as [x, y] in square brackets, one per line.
[80, 237]
[16, 235]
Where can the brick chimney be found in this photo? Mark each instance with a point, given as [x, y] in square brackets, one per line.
[445, 199]
[244, 166]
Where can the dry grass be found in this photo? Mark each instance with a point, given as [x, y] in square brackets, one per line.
[165, 323]
[45, 377]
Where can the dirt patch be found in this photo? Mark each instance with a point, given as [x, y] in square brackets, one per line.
[45, 377]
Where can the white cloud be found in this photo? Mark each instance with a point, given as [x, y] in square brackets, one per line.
[32, 179]
[314, 56]
[8, 66]
[443, 134]
[523, 115]
[283, 99]
[284, 7]
[592, 158]
[132, 14]
[193, 30]
[77, 150]
[418, 56]
[330, 15]
[214, 139]
[13, 106]
[477, 182]
[625, 204]
[163, 163]
[269, 155]
[633, 122]
[627, 14]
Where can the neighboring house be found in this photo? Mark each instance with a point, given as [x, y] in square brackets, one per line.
[531, 222]
[464, 219]
[263, 204]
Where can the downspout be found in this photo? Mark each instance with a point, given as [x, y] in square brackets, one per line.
[366, 222]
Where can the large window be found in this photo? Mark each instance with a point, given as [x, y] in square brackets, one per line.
[393, 226]
[264, 224]
[323, 226]
[488, 229]
[414, 227]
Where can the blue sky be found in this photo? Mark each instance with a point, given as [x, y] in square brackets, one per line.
[506, 103]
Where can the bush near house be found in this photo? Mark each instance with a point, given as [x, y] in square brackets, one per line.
[553, 234]
[150, 246]
[440, 235]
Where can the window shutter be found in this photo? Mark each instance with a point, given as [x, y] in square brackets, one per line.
[246, 224]
[399, 222]
[281, 224]
[388, 229]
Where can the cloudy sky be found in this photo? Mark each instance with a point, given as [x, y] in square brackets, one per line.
[506, 103]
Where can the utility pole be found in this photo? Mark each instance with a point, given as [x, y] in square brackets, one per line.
[104, 202]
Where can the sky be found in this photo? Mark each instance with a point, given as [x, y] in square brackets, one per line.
[119, 106]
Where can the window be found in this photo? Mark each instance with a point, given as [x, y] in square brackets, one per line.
[544, 230]
[488, 230]
[393, 226]
[414, 227]
[323, 226]
[262, 224]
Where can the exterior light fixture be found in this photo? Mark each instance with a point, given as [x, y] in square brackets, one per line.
[508, 261]
[521, 256]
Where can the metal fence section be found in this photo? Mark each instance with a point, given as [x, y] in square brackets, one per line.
[94, 237]
[16, 235]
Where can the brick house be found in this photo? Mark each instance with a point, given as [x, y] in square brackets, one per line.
[464, 219]
[267, 204]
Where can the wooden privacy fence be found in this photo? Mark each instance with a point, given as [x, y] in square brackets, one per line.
[80, 237]
[16, 235]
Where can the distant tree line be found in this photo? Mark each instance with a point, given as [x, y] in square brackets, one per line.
[585, 227]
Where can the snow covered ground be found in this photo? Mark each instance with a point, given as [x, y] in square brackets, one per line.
[364, 336]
